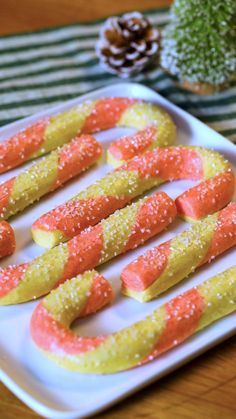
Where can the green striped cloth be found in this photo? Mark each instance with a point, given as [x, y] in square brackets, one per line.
[43, 68]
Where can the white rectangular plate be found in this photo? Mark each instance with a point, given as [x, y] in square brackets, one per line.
[50, 390]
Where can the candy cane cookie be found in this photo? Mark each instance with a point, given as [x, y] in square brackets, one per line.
[169, 263]
[138, 175]
[156, 129]
[122, 231]
[166, 327]
[87, 118]
[7, 239]
[48, 174]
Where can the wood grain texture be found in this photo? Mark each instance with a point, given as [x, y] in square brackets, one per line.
[203, 389]
[26, 15]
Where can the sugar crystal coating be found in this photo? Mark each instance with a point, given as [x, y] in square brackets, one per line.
[124, 230]
[169, 263]
[7, 240]
[139, 343]
[55, 131]
[142, 173]
[48, 174]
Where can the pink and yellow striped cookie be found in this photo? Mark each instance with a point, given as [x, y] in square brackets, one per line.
[7, 239]
[142, 173]
[87, 118]
[169, 263]
[155, 129]
[166, 327]
[122, 231]
[48, 174]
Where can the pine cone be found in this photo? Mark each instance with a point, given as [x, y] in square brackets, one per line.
[127, 44]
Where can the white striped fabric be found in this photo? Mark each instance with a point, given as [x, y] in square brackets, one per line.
[43, 68]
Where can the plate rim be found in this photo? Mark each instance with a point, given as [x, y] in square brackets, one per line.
[28, 398]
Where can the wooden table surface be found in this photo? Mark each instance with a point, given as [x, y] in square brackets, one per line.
[203, 389]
